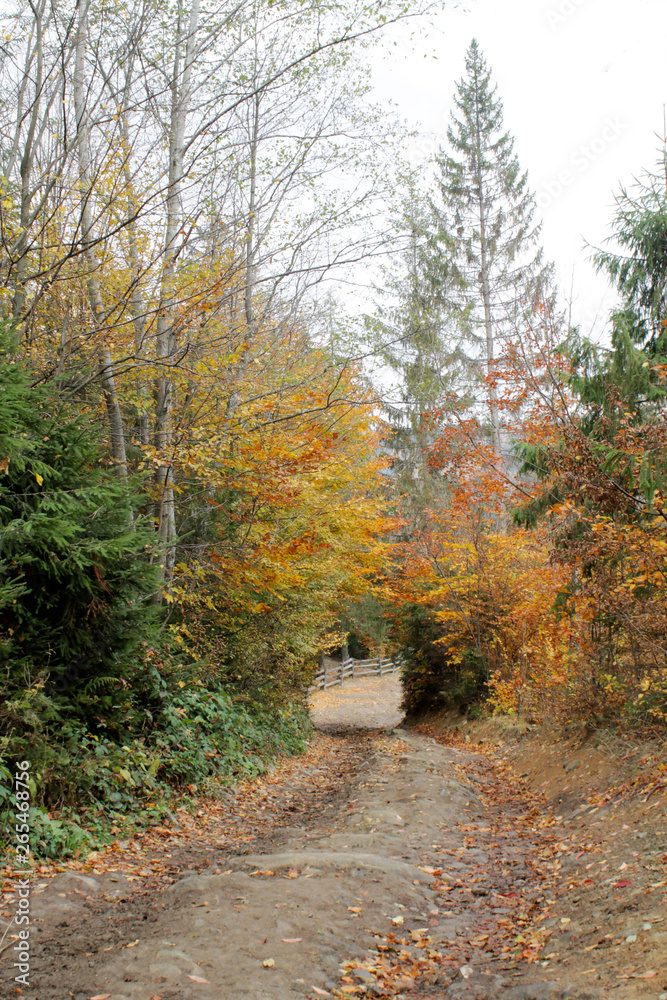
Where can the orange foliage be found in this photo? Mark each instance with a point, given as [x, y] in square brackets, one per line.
[294, 508]
[564, 616]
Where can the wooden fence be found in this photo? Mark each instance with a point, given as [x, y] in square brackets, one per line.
[332, 673]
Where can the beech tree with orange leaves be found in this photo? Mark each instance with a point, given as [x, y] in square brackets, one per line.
[600, 458]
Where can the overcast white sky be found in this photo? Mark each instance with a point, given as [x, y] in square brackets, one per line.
[583, 83]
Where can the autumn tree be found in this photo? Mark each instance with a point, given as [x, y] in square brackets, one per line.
[594, 437]
[471, 283]
[187, 193]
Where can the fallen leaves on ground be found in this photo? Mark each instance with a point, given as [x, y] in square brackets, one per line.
[544, 870]
[228, 823]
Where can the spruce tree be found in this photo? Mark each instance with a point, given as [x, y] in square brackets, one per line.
[637, 263]
[620, 391]
[75, 575]
[410, 336]
[484, 234]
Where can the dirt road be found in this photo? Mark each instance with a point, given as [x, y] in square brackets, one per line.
[371, 702]
[382, 864]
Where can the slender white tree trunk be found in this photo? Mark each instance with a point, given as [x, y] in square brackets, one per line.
[105, 362]
[181, 82]
[34, 55]
[251, 252]
[137, 304]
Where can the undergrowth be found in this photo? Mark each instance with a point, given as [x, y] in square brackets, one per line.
[86, 788]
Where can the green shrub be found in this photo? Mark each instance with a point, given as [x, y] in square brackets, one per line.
[75, 573]
[431, 678]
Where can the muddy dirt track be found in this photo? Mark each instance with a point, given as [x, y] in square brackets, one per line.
[383, 863]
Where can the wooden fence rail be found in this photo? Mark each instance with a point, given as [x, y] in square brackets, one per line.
[336, 673]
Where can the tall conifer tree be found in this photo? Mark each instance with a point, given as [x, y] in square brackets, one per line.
[485, 236]
[409, 332]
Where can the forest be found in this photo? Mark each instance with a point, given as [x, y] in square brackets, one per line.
[217, 464]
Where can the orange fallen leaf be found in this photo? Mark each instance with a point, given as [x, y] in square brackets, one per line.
[320, 993]
[197, 979]
[132, 944]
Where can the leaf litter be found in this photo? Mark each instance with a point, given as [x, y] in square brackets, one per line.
[535, 899]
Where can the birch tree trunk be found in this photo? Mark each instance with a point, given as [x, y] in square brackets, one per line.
[35, 55]
[252, 221]
[181, 82]
[105, 362]
[250, 255]
[122, 99]
[137, 304]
